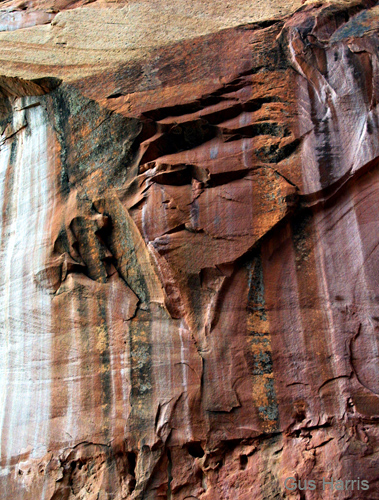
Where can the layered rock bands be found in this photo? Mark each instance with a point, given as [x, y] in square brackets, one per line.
[189, 250]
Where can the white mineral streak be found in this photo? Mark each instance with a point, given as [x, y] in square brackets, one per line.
[350, 113]
[311, 180]
[125, 382]
[5, 153]
[73, 380]
[118, 367]
[163, 387]
[339, 252]
[341, 260]
[25, 318]
[323, 254]
[144, 222]
[113, 355]
[343, 132]
[185, 363]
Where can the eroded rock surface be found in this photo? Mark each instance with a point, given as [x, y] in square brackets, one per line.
[189, 254]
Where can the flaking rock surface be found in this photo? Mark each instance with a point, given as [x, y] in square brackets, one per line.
[189, 249]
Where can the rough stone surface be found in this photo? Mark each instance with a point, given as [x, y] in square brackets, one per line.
[189, 302]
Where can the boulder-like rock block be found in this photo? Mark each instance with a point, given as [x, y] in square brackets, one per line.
[189, 250]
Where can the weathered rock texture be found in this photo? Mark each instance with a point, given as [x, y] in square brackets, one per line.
[189, 298]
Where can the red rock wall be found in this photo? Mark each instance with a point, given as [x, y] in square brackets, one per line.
[188, 286]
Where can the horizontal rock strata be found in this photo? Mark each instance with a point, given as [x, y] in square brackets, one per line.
[189, 303]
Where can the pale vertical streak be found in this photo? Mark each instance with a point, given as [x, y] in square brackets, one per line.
[25, 311]
[7, 252]
[5, 154]
[112, 368]
[73, 374]
[184, 360]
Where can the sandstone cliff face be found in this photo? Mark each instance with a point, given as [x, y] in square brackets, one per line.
[189, 298]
